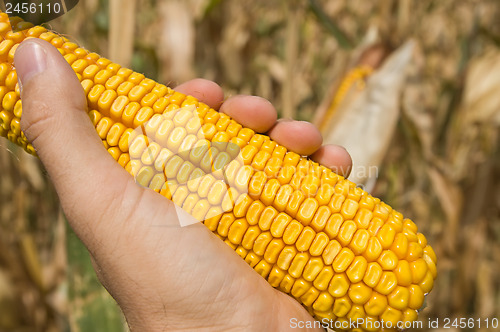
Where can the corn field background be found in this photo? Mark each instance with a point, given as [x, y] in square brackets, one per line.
[441, 167]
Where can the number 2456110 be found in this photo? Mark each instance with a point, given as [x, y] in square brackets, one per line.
[463, 323]
[32, 8]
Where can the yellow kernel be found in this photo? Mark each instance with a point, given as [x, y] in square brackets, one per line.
[250, 236]
[414, 251]
[124, 88]
[324, 302]
[115, 133]
[79, 66]
[242, 178]
[294, 203]
[195, 177]
[363, 218]
[373, 274]
[11, 80]
[430, 252]
[307, 210]
[242, 203]
[416, 297]
[343, 260]
[386, 236]
[206, 184]
[305, 239]
[113, 82]
[269, 192]
[359, 293]
[184, 171]
[94, 95]
[286, 257]
[256, 185]
[387, 283]
[292, 232]
[373, 250]
[136, 78]
[273, 250]
[319, 244]
[331, 251]
[403, 273]
[276, 276]
[225, 223]
[388, 260]
[267, 217]
[300, 287]
[391, 316]
[399, 298]
[339, 285]
[237, 231]
[126, 138]
[217, 192]
[279, 224]
[129, 114]
[282, 196]
[346, 232]
[431, 265]
[357, 269]
[298, 263]
[200, 210]
[144, 176]
[342, 306]
[359, 241]
[400, 246]
[102, 76]
[142, 116]
[309, 297]
[336, 203]
[313, 268]
[287, 284]
[376, 304]
[105, 101]
[261, 243]
[103, 127]
[9, 101]
[172, 167]
[418, 270]
[252, 259]
[254, 212]
[323, 279]
[124, 73]
[410, 315]
[410, 225]
[382, 211]
[375, 226]
[157, 182]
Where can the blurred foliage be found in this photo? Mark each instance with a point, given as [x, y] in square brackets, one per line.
[443, 167]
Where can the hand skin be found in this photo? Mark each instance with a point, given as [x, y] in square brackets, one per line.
[164, 278]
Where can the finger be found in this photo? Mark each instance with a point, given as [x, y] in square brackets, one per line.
[299, 136]
[334, 157]
[251, 111]
[54, 119]
[205, 91]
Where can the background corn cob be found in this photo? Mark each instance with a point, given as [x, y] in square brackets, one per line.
[311, 233]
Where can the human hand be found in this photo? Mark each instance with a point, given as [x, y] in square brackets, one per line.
[163, 278]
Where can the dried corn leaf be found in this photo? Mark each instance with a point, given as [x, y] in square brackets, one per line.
[366, 119]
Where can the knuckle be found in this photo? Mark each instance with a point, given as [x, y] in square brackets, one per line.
[34, 121]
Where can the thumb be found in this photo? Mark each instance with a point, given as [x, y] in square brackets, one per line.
[54, 119]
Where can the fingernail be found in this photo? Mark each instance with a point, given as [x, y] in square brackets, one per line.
[30, 60]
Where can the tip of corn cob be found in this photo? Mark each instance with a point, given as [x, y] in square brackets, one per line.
[342, 253]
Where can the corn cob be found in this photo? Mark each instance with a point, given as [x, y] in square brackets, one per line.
[314, 235]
